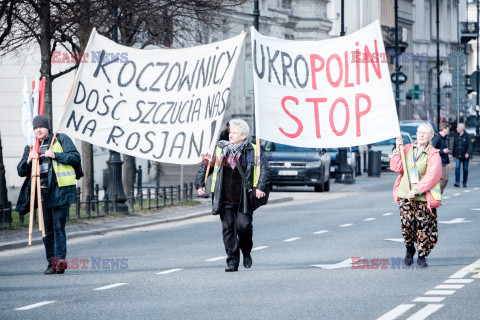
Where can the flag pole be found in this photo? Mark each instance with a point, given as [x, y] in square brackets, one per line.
[68, 97]
[41, 224]
[405, 172]
[33, 183]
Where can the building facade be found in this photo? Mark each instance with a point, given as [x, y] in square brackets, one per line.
[286, 19]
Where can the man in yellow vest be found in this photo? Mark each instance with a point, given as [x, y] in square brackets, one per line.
[230, 191]
[58, 184]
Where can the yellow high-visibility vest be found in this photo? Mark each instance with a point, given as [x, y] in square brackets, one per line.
[64, 172]
[218, 163]
[436, 192]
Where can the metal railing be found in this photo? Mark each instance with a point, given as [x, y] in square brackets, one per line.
[146, 198]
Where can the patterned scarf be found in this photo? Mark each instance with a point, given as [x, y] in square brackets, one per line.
[234, 151]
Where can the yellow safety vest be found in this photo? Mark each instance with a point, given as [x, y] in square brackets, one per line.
[64, 172]
[218, 163]
[436, 192]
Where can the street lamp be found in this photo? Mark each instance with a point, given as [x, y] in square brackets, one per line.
[115, 186]
[478, 71]
[397, 58]
[344, 175]
[438, 63]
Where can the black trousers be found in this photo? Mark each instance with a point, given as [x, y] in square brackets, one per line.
[237, 232]
[55, 240]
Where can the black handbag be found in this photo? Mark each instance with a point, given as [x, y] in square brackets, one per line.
[255, 202]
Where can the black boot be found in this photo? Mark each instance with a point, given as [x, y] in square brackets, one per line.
[50, 270]
[422, 262]
[231, 268]
[61, 266]
[409, 255]
[247, 261]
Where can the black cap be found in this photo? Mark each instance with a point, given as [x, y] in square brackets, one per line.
[41, 121]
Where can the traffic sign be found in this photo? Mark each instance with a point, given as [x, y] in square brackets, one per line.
[402, 77]
[416, 92]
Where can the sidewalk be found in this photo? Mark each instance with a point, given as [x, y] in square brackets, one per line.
[13, 239]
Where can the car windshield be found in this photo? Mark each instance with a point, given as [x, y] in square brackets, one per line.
[412, 130]
[389, 142]
[385, 142]
[270, 146]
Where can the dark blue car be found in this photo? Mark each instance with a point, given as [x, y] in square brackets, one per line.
[295, 166]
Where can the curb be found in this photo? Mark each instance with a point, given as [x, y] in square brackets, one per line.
[79, 234]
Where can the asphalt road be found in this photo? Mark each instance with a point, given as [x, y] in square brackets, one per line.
[301, 265]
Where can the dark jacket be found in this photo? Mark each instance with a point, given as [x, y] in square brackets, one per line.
[225, 135]
[440, 143]
[462, 145]
[58, 196]
[247, 163]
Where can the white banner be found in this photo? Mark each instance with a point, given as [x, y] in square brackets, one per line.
[330, 93]
[165, 105]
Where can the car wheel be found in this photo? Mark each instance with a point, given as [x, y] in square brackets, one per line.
[326, 185]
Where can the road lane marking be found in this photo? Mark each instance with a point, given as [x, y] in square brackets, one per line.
[457, 194]
[35, 305]
[456, 220]
[369, 219]
[458, 281]
[259, 248]
[344, 264]
[446, 197]
[440, 292]
[110, 286]
[346, 225]
[425, 312]
[475, 188]
[428, 299]
[450, 286]
[320, 231]
[398, 311]
[291, 239]
[395, 240]
[463, 272]
[476, 209]
[466, 191]
[169, 271]
[388, 214]
[216, 258]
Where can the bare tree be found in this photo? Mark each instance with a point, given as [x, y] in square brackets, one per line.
[67, 24]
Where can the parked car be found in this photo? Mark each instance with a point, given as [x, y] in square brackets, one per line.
[351, 161]
[387, 146]
[295, 166]
[410, 126]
